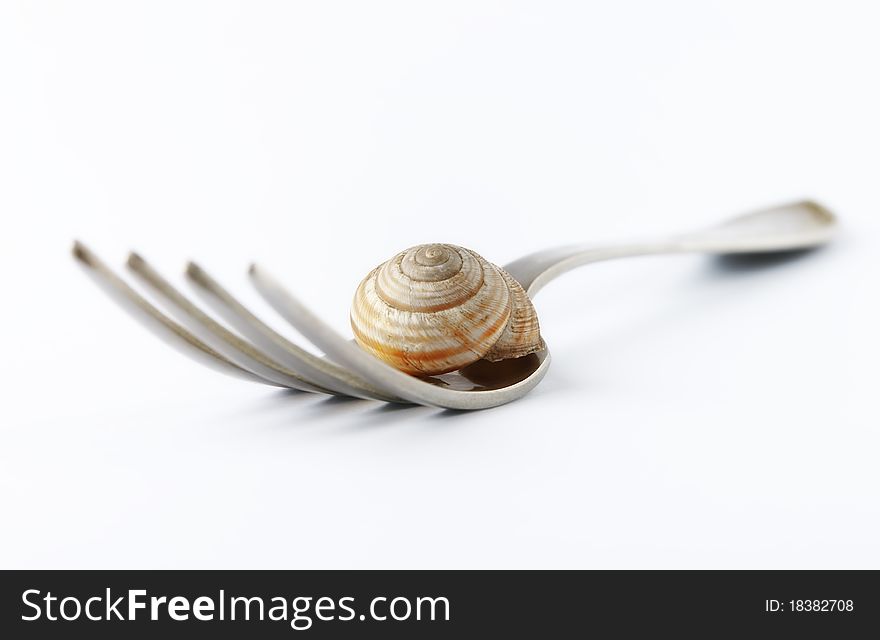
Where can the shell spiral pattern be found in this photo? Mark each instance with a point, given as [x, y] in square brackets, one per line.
[436, 308]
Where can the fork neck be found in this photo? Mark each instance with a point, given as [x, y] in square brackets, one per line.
[536, 270]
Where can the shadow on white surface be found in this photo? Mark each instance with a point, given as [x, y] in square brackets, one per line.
[741, 264]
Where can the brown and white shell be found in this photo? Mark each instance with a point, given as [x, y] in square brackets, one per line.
[436, 308]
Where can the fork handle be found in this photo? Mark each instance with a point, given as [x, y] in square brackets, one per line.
[795, 226]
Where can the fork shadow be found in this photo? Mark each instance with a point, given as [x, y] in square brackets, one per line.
[292, 402]
[314, 409]
[332, 406]
[736, 264]
[702, 291]
[386, 415]
[273, 401]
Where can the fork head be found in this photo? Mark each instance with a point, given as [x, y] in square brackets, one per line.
[249, 348]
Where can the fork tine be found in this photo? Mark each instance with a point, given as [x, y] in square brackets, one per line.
[234, 348]
[154, 320]
[373, 370]
[317, 371]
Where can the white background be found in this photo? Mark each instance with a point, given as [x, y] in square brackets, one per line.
[696, 415]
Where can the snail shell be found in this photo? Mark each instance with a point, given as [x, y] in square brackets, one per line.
[436, 308]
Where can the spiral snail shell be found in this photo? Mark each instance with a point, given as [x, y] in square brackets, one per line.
[436, 308]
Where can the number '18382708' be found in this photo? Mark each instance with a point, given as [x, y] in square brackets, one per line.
[818, 606]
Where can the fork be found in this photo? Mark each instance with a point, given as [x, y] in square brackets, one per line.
[252, 350]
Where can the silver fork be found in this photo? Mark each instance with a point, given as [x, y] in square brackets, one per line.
[256, 352]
